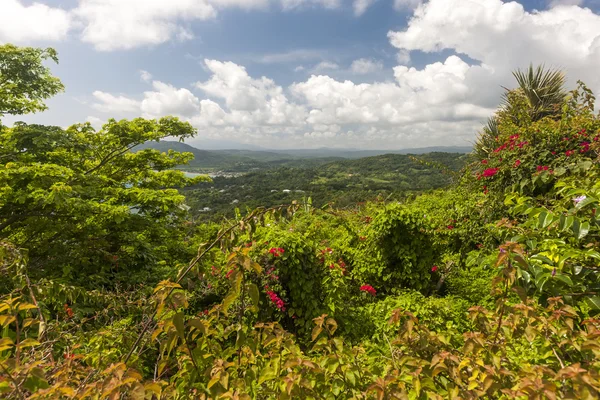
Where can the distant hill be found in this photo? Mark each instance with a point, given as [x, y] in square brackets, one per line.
[209, 159]
[344, 181]
[354, 153]
[246, 160]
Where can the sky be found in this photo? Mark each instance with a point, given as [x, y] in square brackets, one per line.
[275, 74]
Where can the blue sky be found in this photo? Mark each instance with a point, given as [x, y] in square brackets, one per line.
[301, 73]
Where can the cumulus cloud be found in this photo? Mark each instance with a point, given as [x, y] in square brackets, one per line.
[165, 99]
[442, 102]
[145, 76]
[324, 66]
[24, 24]
[250, 102]
[360, 6]
[117, 24]
[365, 66]
[116, 104]
[111, 25]
[504, 36]
[95, 121]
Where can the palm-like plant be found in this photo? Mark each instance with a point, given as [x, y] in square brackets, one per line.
[542, 90]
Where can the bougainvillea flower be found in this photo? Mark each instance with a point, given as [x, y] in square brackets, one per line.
[276, 251]
[369, 289]
[276, 300]
[517, 163]
[434, 268]
[490, 172]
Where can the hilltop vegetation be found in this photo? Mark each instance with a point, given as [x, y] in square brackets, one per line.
[488, 288]
[341, 183]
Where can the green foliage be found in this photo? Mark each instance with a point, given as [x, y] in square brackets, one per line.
[88, 210]
[487, 289]
[340, 183]
[24, 81]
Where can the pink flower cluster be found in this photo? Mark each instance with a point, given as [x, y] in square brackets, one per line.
[276, 251]
[369, 289]
[490, 172]
[276, 300]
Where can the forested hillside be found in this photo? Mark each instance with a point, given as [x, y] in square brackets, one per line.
[487, 288]
[342, 184]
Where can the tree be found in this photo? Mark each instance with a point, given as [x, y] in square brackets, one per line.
[85, 205]
[542, 91]
[540, 94]
[24, 80]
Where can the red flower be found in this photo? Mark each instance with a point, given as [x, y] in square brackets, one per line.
[585, 146]
[484, 161]
[517, 163]
[434, 268]
[569, 153]
[275, 299]
[276, 251]
[450, 227]
[522, 144]
[369, 289]
[229, 273]
[542, 168]
[490, 172]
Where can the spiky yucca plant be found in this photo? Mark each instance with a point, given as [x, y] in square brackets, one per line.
[541, 88]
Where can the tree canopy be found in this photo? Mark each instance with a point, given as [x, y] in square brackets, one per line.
[25, 82]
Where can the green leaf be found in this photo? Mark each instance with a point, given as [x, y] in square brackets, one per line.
[583, 230]
[587, 201]
[254, 295]
[593, 302]
[544, 219]
[178, 322]
[564, 278]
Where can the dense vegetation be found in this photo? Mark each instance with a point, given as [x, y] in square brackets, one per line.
[342, 184]
[486, 289]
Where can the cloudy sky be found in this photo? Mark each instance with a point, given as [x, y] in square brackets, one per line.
[370, 74]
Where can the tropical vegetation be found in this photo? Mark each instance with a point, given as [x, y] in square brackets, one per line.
[488, 288]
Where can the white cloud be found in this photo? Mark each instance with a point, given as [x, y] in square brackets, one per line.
[168, 100]
[291, 56]
[145, 76]
[24, 24]
[118, 24]
[504, 36]
[251, 102]
[299, 68]
[293, 4]
[324, 66]
[95, 121]
[109, 103]
[360, 6]
[366, 66]
[403, 57]
[441, 103]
